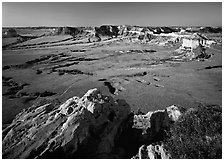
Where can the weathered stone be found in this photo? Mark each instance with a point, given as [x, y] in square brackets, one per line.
[154, 124]
[58, 132]
[152, 152]
[94, 124]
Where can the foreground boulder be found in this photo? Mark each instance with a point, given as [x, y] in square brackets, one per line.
[59, 132]
[154, 124]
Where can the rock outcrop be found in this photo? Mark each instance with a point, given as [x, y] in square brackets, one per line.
[66, 131]
[73, 31]
[152, 152]
[152, 127]
[10, 33]
[211, 29]
[107, 30]
[93, 126]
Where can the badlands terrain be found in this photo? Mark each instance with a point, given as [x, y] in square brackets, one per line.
[50, 73]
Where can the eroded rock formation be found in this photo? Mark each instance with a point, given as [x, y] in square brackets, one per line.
[152, 152]
[107, 30]
[58, 132]
[93, 126]
[73, 31]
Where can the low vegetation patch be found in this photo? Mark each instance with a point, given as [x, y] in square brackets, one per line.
[197, 134]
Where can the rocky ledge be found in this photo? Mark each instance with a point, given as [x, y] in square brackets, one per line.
[93, 126]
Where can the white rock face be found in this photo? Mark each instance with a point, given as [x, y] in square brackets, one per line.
[208, 43]
[155, 121]
[152, 152]
[190, 43]
[194, 40]
[41, 132]
[173, 112]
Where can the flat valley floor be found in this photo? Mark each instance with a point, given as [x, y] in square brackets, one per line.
[55, 69]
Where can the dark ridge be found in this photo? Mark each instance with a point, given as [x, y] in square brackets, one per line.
[211, 30]
[73, 71]
[6, 67]
[141, 51]
[132, 75]
[201, 56]
[78, 50]
[103, 79]
[22, 94]
[138, 74]
[28, 63]
[139, 81]
[149, 51]
[211, 67]
[85, 59]
[60, 59]
[110, 87]
[31, 62]
[64, 65]
[6, 78]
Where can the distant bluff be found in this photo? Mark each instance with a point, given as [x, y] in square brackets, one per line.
[113, 30]
[69, 31]
[10, 33]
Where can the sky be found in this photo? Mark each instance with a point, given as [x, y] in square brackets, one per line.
[116, 13]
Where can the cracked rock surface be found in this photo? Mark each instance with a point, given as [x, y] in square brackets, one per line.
[94, 124]
[52, 132]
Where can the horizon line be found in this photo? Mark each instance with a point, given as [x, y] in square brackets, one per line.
[117, 25]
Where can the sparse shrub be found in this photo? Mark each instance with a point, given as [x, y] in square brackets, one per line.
[197, 134]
